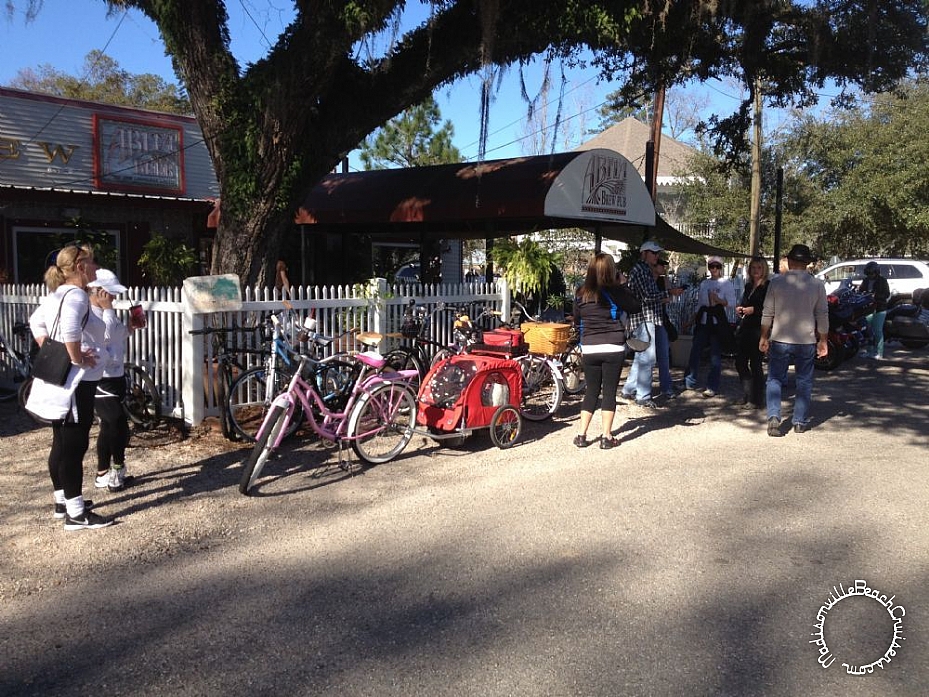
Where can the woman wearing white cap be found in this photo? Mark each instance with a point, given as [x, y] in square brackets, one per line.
[111, 390]
[711, 326]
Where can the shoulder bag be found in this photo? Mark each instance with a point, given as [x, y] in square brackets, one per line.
[52, 363]
[632, 342]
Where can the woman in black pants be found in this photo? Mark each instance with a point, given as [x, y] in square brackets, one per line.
[598, 306]
[748, 358]
[111, 390]
[65, 315]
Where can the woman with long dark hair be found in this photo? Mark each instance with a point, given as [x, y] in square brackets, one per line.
[598, 313]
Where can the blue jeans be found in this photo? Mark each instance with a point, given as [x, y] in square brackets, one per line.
[640, 374]
[704, 335]
[780, 356]
[663, 359]
[876, 321]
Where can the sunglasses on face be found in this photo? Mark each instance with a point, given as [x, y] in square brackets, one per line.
[715, 266]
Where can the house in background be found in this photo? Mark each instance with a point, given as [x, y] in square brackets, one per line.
[629, 138]
[123, 173]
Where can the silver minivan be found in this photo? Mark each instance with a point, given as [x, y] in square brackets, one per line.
[903, 275]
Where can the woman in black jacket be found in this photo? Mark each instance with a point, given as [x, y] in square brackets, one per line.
[597, 313]
[748, 360]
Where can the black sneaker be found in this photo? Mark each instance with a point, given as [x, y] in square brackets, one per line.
[61, 510]
[801, 428]
[89, 520]
[774, 427]
[580, 440]
[648, 404]
[607, 442]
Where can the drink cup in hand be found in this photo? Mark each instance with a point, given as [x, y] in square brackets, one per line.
[137, 317]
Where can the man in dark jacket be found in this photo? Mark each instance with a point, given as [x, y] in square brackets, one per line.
[877, 285]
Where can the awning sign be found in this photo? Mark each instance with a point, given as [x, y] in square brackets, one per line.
[600, 185]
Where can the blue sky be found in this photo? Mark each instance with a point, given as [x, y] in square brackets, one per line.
[66, 30]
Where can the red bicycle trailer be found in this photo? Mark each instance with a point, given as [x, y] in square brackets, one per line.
[471, 391]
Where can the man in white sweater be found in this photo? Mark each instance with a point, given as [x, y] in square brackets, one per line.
[794, 325]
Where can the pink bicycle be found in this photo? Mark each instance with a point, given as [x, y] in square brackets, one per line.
[377, 419]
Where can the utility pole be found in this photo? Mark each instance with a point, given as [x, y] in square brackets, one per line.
[755, 211]
[657, 119]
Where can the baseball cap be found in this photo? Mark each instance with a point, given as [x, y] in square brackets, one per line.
[651, 246]
[714, 260]
[107, 280]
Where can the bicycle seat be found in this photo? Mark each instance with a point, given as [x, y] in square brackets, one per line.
[371, 358]
[369, 338]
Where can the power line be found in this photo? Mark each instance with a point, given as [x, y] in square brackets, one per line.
[83, 78]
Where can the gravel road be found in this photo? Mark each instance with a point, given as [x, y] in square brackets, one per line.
[691, 560]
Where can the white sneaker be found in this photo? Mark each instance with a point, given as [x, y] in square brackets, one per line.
[117, 479]
[102, 481]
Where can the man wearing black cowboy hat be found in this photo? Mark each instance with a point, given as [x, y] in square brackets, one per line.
[794, 324]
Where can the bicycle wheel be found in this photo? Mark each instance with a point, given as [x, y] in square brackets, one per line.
[573, 370]
[263, 450]
[542, 391]
[381, 423]
[143, 402]
[441, 355]
[223, 389]
[249, 400]
[505, 427]
[404, 359]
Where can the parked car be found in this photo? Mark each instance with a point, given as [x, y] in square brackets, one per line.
[903, 275]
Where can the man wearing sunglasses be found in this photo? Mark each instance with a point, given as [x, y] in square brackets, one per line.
[711, 326]
[642, 325]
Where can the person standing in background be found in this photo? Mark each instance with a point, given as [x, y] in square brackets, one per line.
[281, 280]
[794, 328]
[662, 341]
[642, 325]
[65, 312]
[748, 359]
[597, 309]
[711, 326]
[877, 286]
[111, 390]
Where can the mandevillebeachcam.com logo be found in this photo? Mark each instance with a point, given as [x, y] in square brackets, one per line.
[859, 588]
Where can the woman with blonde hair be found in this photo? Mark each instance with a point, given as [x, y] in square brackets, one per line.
[748, 359]
[65, 315]
[598, 308]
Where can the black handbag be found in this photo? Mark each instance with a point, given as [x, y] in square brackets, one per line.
[53, 363]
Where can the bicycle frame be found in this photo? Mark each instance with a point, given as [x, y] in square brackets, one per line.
[334, 424]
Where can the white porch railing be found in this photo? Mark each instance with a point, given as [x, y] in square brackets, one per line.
[183, 365]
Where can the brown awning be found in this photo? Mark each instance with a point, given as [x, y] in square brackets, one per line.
[598, 190]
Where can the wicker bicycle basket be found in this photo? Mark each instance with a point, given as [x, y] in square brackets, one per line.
[550, 338]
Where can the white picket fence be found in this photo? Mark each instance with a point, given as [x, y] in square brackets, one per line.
[183, 365]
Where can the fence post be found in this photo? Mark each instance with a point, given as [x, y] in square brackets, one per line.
[506, 307]
[192, 390]
[379, 320]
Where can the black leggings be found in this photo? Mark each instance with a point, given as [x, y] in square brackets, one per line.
[114, 426]
[602, 371]
[748, 363]
[70, 441]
